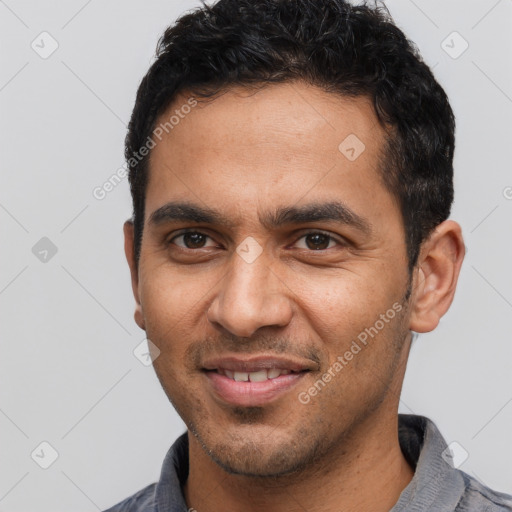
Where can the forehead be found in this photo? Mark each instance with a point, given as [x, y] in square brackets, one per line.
[305, 118]
[280, 144]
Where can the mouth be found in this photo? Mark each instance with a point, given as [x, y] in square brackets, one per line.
[254, 376]
[255, 381]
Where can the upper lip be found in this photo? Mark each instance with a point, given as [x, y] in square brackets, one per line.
[256, 363]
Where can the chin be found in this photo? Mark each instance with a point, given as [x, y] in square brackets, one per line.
[268, 457]
[252, 464]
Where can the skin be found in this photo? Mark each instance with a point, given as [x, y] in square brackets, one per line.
[244, 154]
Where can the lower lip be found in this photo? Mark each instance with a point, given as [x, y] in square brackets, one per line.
[251, 394]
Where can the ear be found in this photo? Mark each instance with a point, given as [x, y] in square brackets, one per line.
[436, 275]
[134, 271]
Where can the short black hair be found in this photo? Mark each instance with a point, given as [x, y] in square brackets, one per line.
[345, 49]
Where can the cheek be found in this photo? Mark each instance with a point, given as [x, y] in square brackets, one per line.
[339, 307]
[361, 346]
[362, 349]
[172, 289]
[167, 302]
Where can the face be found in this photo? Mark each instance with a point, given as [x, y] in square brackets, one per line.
[272, 275]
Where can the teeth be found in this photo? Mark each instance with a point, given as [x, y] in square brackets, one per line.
[273, 373]
[259, 376]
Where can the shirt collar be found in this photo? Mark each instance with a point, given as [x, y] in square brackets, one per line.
[436, 484]
[168, 493]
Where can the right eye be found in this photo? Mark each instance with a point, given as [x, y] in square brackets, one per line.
[191, 240]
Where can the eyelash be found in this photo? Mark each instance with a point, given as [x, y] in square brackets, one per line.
[313, 232]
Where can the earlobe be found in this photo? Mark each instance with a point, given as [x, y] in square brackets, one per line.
[437, 272]
[134, 271]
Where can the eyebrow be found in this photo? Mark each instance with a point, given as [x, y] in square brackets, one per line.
[334, 211]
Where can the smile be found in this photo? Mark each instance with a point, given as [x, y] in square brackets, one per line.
[257, 376]
[255, 381]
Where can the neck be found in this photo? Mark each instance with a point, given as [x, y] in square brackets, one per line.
[366, 471]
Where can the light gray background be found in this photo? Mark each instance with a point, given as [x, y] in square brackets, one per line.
[69, 376]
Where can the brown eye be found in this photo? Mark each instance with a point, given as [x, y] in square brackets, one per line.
[191, 240]
[318, 241]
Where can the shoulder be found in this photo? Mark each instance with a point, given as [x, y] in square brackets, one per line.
[168, 489]
[478, 497]
[142, 501]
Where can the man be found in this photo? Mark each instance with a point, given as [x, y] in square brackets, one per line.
[291, 174]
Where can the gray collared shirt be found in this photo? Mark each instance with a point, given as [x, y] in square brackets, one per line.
[436, 486]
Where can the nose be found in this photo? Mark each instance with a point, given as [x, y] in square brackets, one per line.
[251, 296]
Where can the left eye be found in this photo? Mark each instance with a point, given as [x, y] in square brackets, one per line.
[317, 241]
